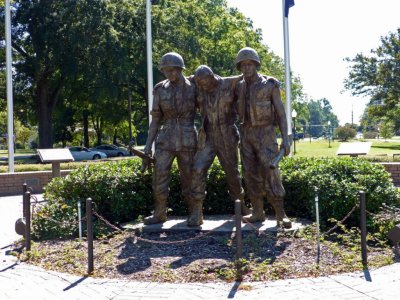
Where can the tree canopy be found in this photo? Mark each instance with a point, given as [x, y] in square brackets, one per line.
[377, 76]
[76, 61]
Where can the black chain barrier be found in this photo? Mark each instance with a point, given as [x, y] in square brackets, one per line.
[109, 224]
[341, 221]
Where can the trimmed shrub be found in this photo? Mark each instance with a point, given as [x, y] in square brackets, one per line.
[345, 133]
[121, 193]
[338, 181]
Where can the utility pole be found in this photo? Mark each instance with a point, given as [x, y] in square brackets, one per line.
[352, 114]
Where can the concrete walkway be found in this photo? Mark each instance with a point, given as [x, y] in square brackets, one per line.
[20, 280]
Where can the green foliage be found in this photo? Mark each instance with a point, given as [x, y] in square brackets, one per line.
[385, 220]
[320, 112]
[387, 130]
[344, 133]
[122, 193]
[338, 181]
[376, 76]
[370, 135]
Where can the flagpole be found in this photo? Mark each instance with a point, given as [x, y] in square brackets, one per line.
[10, 123]
[149, 45]
[288, 91]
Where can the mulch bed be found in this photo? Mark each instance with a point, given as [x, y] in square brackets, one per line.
[199, 257]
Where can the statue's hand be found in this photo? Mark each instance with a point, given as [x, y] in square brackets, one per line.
[147, 150]
[145, 162]
[286, 146]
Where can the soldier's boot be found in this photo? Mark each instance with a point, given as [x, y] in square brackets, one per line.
[281, 219]
[160, 212]
[257, 214]
[196, 215]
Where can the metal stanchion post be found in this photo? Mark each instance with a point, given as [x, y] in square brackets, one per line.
[24, 190]
[89, 223]
[80, 219]
[363, 225]
[317, 219]
[27, 215]
[238, 219]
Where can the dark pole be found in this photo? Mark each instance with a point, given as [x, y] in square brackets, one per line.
[294, 136]
[130, 111]
[329, 137]
[27, 214]
[363, 225]
[89, 223]
[238, 219]
[24, 190]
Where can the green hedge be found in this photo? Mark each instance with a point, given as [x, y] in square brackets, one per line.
[338, 181]
[122, 193]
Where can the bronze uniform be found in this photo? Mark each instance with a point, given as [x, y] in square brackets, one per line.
[176, 107]
[221, 139]
[258, 144]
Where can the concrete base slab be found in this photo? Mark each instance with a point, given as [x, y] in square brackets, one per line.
[216, 223]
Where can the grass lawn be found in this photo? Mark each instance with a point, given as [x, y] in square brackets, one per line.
[4, 153]
[320, 148]
[380, 151]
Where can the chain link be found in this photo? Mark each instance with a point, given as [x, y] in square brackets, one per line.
[108, 223]
[341, 221]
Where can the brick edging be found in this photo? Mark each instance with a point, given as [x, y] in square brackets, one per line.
[11, 183]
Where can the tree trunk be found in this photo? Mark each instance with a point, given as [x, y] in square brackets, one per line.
[86, 128]
[45, 126]
[46, 101]
[130, 111]
[45, 112]
[98, 127]
[115, 136]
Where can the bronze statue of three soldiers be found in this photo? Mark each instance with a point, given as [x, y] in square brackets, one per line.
[251, 98]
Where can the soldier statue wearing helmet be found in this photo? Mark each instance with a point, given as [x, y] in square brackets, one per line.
[218, 136]
[260, 108]
[172, 128]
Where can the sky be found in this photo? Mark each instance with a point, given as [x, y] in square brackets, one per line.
[321, 34]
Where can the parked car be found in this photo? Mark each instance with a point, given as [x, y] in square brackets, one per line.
[82, 153]
[112, 150]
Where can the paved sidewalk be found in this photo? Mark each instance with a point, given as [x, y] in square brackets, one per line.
[20, 280]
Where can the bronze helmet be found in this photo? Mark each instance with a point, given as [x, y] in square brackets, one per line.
[247, 53]
[171, 59]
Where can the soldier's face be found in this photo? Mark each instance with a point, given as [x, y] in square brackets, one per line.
[206, 83]
[248, 68]
[172, 73]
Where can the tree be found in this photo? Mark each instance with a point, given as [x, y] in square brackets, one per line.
[320, 112]
[83, 55]
[378, 77]
[387, 129]
[344, 133]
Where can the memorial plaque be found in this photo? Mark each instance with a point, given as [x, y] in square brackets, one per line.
[52, 155]
[354, 149]
[55, 156]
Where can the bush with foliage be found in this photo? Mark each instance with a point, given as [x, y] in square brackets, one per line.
[345, 133]
[338, 181]
[122, 193]
[370, 134]
[385, 220]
